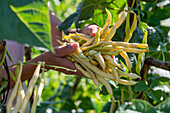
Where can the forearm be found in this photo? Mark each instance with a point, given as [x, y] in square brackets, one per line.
[49, 59]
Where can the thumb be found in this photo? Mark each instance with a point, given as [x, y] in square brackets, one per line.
[65, 50]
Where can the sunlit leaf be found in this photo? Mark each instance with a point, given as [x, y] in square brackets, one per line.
[26, 22]
[115, 7]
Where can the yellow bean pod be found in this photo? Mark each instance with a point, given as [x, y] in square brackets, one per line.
[93, 62]
[108, 20]
[130, 75]
[127, 60]
[113, 106]
[94, 68]
[127, 28]
[121, 19]
[111, 33]
[98, 57]
[18, 73]
[91, 46]
[134, 25]
[95, 81]
[82, 36]
[125, 44]
[114, 53]
[127, 82]
[114, 72]
[82, 70]
[122, 97]
[97, 37]
[112, 61]
[38, 94]
[30, 88]
[81, 55]
[140, 55]
[130, 50]
[20, 97]
[90, 41]
[106, 84]
[81, 41]
[104, 33]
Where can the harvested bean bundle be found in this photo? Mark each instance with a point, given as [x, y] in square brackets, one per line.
[22, 97]
[95, 57]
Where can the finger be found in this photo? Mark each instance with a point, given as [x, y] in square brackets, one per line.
[65, 50]
[90, 30]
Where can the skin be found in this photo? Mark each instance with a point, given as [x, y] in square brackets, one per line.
[60, 57]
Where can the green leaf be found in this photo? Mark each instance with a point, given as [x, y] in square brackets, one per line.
[86, 103]
[164, 106]
[26, 22]
[136, 106]
[163, 79]
[67, 92]
[87, 9]
[68, 21]
[100, 17]
[140, 86]
[155, 95]
[160, 55]
[162, 46]
[159, 12]
[155, 35]
[143, 26]
[154, 83]
[114, 7]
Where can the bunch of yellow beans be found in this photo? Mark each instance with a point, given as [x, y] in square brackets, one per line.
[95, 57]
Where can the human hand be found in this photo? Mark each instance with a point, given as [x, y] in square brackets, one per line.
[60, 58]
[88, 29]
